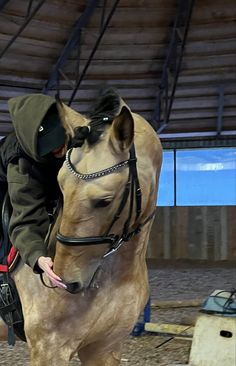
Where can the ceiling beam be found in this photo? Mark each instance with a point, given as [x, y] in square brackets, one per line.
[196, 134]
[207, 142]
[73, 40]
[22, 27]
[172, 65]
[3, 3]
[102, 31]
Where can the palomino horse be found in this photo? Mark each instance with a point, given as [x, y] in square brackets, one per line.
[109, 187]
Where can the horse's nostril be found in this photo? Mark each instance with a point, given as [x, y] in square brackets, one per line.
[73, 287]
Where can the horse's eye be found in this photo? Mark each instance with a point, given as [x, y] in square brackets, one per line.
[102, 203]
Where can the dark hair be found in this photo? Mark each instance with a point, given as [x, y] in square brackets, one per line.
[104, 111]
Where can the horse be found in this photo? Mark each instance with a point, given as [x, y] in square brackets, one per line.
[109, 183]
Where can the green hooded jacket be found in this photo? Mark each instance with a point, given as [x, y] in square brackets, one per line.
[29, 221]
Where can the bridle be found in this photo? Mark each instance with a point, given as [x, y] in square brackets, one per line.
[132, 190]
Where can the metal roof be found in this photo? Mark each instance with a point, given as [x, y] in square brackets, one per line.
[149, 50]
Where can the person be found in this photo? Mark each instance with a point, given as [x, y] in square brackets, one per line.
[30, 158]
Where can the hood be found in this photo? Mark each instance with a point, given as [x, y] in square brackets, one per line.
[27, 113]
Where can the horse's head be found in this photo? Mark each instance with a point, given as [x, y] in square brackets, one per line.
[91, 202]
[100, 189]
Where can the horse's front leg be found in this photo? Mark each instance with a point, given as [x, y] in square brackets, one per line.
[93, 355]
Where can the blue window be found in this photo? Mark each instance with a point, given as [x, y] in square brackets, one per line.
[166, 183]
[206, 177]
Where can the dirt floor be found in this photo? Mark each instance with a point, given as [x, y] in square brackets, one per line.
[168, 282]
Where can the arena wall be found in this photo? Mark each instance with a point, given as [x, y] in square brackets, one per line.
[194, 233]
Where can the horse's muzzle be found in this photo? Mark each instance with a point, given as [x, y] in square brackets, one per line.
[73, 287]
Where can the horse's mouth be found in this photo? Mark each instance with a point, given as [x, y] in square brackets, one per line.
[76, 287]
[73, 287]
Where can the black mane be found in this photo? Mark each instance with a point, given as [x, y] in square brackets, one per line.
[106, 105]
[104, 111]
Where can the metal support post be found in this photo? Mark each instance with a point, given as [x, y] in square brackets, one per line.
[23, 26]
[3, 3]
[172, 65]
[72, 42]
[105, 25]
[75, 40]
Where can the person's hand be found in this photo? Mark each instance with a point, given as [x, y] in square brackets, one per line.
[46, 264]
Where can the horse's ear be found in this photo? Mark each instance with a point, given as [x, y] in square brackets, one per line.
[122, 132]
[70, 118]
